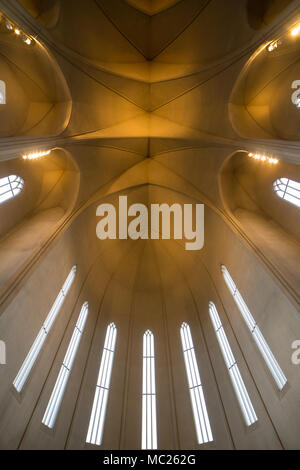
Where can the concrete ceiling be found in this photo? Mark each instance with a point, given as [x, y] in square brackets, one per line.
[157, 94]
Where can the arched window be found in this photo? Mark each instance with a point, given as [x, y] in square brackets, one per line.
[288, 190]
[96, 425]
[260, 341]
[234, 372]
[2, 92]
[65, 370]
[43, 333]
[149, 426]
[202, 424]
[10, 186]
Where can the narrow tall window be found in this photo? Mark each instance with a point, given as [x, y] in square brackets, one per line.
[97, 419]
[260, 341]
[43, 333]
[65, 370]
[202, 424]
[149, 426]
[288, 190]
[10, 186]
[234, 372]
[2, 92]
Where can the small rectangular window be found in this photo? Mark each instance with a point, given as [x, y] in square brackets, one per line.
[2, 92]
[10, 186]
[149, 425]
[64, 374]
[202, 424]
[35, 350]
[258, 337]
[97, 419]
[234, 372]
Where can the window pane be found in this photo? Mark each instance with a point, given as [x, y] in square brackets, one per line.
[260, 341]
[236, 378]
[64, 374]
[149, 429]
[202, 424]
[288, 190]
[2, 92]
[10, 186]
[35, 350]
[96, 425]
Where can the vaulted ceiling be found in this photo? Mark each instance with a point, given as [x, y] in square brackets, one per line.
[152, 93]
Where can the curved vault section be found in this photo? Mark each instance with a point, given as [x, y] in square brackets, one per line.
[271, 223]
[263, 12]
[50, 191]
[38, 101]
[45, 12]
[261, 102]
[151, 47]
[152, 7]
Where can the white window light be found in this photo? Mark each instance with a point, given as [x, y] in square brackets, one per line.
[2, 92]
[43, 333]
[288, 190]
[97, 419]
[149, 422]
[259, 339]
[65, 370]
[202, 424]
[10, 186]
[234, 372]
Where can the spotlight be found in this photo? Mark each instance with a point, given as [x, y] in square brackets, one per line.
[273, 45]
[263, 158]
[27, 40]
[8, 25]
[295, 31]
[17, 31]
[34, 156]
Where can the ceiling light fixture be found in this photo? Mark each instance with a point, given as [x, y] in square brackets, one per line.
[27, 41]
[10, 26]
[272, 46]
[36, 155]
[263, 158]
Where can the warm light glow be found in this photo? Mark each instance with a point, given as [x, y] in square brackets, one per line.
[16, 30]
[273, 45]
[34, 156]
[296, 30]
[263, 158]
[8, 25]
